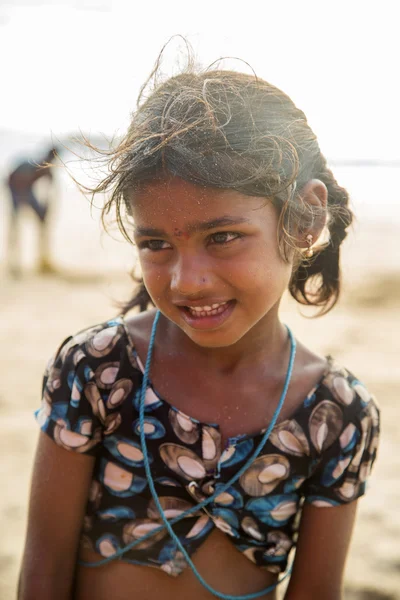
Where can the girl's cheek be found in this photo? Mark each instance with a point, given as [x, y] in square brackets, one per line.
[154, 276]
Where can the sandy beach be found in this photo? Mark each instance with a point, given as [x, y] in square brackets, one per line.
[362, 332]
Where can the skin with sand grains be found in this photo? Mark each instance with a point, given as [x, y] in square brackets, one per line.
[207, 272]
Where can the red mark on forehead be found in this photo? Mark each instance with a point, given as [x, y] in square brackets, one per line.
[181, 234]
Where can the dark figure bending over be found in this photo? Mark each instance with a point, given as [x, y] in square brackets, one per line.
[20, 183]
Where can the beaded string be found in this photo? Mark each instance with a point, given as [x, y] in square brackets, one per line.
[223, 487]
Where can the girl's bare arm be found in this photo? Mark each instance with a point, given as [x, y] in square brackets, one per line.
[59, 491]
[323, 543]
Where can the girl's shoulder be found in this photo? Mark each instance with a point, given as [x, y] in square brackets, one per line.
[340, 398]
[344, 385]
[108, 340]
[96, 341]
[100, 353]
[328, 393]
[85, 384]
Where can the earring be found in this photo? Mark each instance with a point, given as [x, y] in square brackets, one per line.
[309, 253]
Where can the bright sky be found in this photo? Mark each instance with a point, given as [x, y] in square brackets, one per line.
[79, 63]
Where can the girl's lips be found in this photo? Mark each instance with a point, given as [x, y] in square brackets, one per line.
[207, 319]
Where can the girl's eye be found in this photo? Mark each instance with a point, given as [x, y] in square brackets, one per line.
[155, 245]
[224, 237]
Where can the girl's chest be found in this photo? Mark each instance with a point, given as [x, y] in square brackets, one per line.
[240, 404]
[236, 407]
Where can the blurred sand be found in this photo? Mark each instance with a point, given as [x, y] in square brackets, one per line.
[363, 332]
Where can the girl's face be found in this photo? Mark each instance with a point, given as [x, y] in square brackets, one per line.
[209, 258]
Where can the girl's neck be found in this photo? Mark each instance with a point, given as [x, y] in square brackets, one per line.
[266, 344]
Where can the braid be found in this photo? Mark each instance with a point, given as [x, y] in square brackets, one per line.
[318, 282]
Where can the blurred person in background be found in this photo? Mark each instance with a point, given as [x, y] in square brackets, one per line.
[21, 185]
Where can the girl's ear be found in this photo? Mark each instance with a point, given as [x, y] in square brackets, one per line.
[314, 196]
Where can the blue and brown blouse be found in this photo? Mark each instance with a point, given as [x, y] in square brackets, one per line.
[323, 455]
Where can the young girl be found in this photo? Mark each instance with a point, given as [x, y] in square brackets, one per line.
[197, 437]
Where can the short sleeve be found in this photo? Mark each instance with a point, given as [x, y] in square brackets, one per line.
[343, 469]
[72, 412]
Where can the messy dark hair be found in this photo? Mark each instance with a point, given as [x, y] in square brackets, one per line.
[231, 130]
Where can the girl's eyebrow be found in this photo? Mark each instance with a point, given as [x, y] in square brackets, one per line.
[194, 227]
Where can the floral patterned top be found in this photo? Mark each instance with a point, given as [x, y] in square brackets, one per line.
[323, 455]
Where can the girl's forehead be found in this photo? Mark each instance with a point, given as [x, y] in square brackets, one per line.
[177, 198]
[177, 190]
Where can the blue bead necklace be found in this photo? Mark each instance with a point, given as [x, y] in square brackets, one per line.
[167, 524]
[222, 489]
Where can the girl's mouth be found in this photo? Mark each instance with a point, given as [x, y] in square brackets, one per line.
[207, 311]
[208, 316]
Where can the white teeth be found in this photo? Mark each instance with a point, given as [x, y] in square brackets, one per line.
[204, 311]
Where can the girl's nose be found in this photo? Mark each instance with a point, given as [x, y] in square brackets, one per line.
[191, 276]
